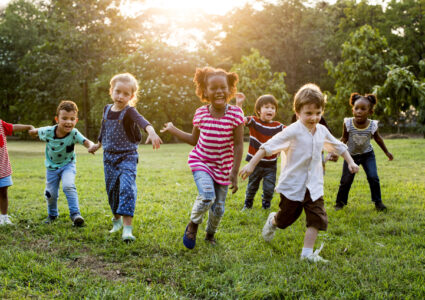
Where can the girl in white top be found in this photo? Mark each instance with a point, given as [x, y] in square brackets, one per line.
[301, 181]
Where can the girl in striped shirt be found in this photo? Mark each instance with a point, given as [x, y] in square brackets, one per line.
[217, 135]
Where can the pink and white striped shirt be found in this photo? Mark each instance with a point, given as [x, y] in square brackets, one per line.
[214, 151]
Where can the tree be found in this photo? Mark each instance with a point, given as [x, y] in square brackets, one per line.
[362, 66]
[256, 79]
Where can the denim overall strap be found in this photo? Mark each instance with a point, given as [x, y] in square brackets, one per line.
[115, 137]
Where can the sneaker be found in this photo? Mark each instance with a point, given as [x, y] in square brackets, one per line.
[380, 206]
[210, 239]
[1, 220]
[190, 243]
[6, 220]
[338, 206]
[269, 229]
[127, 235]
[50, 219]
[116, 225]
[315, 257]
[77, 219]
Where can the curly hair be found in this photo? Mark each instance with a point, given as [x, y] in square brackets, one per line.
[368, 97]
[201, 78]
[309, 94]
[67, 105]
[126, 78]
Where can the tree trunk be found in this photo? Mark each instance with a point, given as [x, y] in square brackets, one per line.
[86, 109]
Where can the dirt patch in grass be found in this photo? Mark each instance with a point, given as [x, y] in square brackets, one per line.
[98, 267]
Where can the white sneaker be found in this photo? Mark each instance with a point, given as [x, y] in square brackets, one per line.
[315, 257]
[5, 220]
[117, 225]
[269, 229]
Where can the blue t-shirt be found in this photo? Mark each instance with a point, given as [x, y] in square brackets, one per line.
[59, 151]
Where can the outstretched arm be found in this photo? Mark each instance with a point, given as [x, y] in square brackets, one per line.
[352, 166]
[240, 99]
[33, 132]
[249, 167]
[378, 139]
[94, 147]
[237, 156]
[153, 137]
[189, 138]
[21, 127]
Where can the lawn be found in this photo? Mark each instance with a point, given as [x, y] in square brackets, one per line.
[372, 255]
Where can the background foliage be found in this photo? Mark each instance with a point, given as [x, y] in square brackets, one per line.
[53, 50]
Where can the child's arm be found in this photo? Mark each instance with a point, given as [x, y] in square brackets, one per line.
[237, 157]
[352, 166]
[240, 99]
[20, 127]
[89, 144]
[189, 138]
[33, 132]
[344, 137]
[153, 137]
[94, 147]
[378, 139]
[249, 167]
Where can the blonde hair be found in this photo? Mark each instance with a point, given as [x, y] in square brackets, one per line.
[309, 94]
[126, 78]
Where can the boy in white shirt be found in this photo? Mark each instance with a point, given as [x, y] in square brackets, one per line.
[301, 180]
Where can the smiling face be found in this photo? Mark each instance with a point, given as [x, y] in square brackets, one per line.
[310, 115]
[121, 94]
[267, 112]
[66, 122]
[361, 110]
[217, 91]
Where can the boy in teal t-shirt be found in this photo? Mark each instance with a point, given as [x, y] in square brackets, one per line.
[60, 160]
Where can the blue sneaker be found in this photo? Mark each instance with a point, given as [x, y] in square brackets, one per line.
[190, 243]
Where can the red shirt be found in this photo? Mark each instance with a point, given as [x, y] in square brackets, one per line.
[5, 130]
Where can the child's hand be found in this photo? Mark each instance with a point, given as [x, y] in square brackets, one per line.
[154, 139]
[33, 132]
[93, 148]
[240, 98]
[234, 182]
[167, 127]
[389, 155]
[246, 171]
[332, 157]
[354, 168]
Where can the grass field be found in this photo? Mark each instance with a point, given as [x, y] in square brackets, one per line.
[372, 255]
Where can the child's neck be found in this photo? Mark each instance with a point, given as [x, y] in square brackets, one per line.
[361, 125]
[59, 133]
[217, 113]
[115, 108]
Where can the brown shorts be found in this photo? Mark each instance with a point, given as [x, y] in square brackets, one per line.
[290, 211]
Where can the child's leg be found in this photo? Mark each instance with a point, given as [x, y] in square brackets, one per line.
[269, 182]
[252, 187]
[4, 202]
[127, 195]
[310, 237]
[69, 188]
[51, 192]
[369, 165]
[216, 211]
[344, 186]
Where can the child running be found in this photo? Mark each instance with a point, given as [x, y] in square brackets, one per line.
[120, 136]
[261, 129]
[6, 129]
[357, 134]
[218, 139]
[60, 160]
[301, 180]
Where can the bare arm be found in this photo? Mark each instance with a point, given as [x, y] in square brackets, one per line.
[352, 166]
[153, 137]
[249, 168]
[189, 138]
[344, 137]
[237, 156]
[21, 127]
[378, 139]
[94, 147]
[33, 132]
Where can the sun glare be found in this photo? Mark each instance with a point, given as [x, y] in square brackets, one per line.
[217, 7]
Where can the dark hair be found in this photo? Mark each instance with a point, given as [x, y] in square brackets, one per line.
[368, 97]
[263, 100]
[201, 77]
[67, 105]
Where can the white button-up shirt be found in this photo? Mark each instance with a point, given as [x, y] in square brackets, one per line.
[303, 169]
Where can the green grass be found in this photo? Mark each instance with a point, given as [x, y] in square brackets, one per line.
[372, 255]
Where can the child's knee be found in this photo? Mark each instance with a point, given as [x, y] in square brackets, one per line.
[68, 187]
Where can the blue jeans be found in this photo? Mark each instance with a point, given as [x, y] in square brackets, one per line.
[268, 174]
[211, 197]
[368, 161]
[53, 178]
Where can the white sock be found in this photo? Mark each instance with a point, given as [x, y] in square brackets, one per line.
[306, 252]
